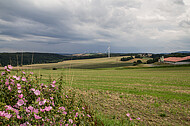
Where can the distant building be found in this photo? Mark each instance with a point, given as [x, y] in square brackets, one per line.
[145, 54]
[177, 60]
[161, 59]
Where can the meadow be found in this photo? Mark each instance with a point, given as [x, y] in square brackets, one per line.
[152, 96]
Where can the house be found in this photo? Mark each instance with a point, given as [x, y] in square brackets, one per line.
[177, 60]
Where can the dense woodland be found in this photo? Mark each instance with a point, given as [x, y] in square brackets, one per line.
[19, 59]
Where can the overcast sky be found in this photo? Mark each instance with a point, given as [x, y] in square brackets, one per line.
[83, 26]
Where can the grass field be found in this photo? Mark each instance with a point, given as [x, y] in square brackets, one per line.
[158, 96]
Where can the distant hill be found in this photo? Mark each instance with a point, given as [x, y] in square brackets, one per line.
[182, 52]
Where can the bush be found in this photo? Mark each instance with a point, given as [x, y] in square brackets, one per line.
[150, 61]
[126, 58]
[136, 63]
[139, 61]
[54, 68]
[25, 101]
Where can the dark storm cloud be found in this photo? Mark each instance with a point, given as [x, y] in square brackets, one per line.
[46, 25]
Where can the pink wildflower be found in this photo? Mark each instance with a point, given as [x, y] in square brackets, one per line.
[16, 111]
[32, 89]
[17, 78]
[24, 124]
[128, 114]
[20, 102]
[54, 82]
[64, 112]
[19, 91]
[138, 118]
[23, 72]
[83, 108]
[10, 67]
[2, 73]
[20, 96]
[37, 117]
[7, 82]
[5, 67]
[53, 103]
[30, 108]
[2, 113]
[130, 119]
[31, 73]
[48, 108]
[71, 121]
[53, 85]
[42, 110]
[63, 108]
[38, 99]
[7, 115]
[9, 87]
[35, 111]
[23, 79]
[66, 124]
[19, 117]
[8, 107]
[51, 98]
[76, 114]
[18, 86]
[42, 102]
[88, 115]
[27, 110]
[37, 92]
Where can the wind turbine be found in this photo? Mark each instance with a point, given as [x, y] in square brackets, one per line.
[108, 49]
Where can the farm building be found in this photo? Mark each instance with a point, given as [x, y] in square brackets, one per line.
[177, 60]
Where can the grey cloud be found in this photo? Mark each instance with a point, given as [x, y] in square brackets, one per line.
[88, 24]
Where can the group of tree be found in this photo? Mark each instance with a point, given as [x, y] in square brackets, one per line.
[126, 58]
[137, 62]
[19, 59]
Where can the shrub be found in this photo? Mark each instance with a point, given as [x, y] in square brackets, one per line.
[54, 68]
[139, 61]
[25, 101]
[126, 58]
[150, 61]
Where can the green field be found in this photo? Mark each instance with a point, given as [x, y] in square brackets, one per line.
[158, 96]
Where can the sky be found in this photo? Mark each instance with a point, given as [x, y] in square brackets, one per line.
[90, 26]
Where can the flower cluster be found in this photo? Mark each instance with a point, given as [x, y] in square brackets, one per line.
[25, 101]
[130, 118]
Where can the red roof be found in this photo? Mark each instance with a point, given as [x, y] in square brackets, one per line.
[176, 59]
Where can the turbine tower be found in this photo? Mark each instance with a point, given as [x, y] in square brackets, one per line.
[108, 51]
